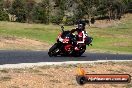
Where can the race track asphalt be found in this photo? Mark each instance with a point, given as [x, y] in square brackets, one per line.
[16, 57]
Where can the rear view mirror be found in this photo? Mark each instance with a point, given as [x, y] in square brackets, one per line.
[62, 27]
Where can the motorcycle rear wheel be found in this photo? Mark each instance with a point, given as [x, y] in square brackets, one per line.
[79, 53]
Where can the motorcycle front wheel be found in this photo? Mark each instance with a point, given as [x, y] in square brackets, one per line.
[52, 51]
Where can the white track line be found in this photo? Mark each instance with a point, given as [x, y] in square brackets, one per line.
[29, 65]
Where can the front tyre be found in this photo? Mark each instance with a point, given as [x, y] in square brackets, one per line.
[52, 51]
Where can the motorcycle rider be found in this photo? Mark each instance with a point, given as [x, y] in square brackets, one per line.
[82, 34]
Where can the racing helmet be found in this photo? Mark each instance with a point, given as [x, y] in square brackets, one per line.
[81, 24]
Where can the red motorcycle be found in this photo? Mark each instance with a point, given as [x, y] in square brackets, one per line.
[65, 45]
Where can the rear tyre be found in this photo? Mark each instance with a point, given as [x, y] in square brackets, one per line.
[79, 53]
[50, 54]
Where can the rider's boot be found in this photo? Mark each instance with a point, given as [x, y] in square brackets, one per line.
[76, 48]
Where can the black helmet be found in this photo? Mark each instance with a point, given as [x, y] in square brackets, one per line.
[81, 24]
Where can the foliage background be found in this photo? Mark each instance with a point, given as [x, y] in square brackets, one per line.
[62, 11]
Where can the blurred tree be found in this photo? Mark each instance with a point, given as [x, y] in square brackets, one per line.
[7, 4]
[55, 11]
[3, 13]
[18, 9]
[41, 12]
[29, 4]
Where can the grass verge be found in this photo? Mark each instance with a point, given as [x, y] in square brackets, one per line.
[113, 39]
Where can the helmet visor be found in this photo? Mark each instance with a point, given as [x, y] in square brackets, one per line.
[80, 26]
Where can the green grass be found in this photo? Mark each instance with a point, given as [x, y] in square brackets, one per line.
[39, 32]
[117, 39]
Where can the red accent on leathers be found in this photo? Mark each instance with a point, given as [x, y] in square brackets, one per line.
[80, 34]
